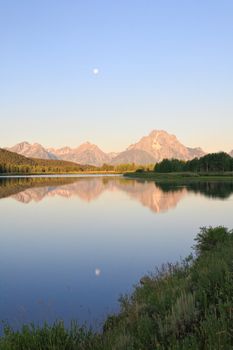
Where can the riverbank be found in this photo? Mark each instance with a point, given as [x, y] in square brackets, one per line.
[189, 176]
[183, 306]
[77, 173]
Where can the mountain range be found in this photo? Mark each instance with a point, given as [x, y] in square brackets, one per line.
[152, 148]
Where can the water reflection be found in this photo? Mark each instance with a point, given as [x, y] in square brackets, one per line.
[211, 189]
[62, 258]
[159, 197]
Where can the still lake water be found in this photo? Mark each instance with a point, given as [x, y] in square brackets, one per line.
[70, 246]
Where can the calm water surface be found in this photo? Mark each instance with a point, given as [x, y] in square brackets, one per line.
[70, 246]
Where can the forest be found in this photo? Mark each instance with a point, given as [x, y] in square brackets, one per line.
[212, 162]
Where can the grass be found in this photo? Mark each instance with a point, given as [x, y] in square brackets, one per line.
[188, 305]
[151, 175]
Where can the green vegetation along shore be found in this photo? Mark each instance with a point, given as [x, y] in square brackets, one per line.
[188, 305]
[210, 163]
[214, 166]
[180, 176]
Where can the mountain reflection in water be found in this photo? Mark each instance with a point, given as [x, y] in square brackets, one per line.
[159, 197]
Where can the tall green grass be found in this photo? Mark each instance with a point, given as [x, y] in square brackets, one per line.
[188, 305]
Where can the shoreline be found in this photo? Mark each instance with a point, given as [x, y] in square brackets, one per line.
[77, 174]
[152, 176]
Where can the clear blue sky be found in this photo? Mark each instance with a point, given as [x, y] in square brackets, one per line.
[163, 64]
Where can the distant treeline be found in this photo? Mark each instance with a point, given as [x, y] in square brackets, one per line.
[11, 162]
[213, 162]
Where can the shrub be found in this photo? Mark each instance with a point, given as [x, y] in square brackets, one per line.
[209, 237]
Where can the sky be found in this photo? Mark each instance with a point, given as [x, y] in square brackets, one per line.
[111, 71]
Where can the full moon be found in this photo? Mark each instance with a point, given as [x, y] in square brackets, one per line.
[95, 71]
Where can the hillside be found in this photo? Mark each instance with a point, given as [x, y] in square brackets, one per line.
[13, 162]
[11, 158]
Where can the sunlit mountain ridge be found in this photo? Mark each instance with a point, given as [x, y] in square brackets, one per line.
[152, 148]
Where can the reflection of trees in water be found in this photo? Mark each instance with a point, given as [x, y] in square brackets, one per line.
[14, 185]
[159, 197]
[212, 189]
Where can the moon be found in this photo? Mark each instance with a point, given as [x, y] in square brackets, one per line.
[95, 71]
[97, 272]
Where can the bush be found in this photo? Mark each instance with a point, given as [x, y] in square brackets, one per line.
[209, 237]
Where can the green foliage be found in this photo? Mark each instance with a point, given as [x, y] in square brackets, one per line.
[139, 170]
[179, 304]
[213, 162]
[169, 166]
[55, 337]
[182, 316]
[208, 238]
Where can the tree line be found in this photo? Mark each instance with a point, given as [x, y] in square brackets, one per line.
[212, 162]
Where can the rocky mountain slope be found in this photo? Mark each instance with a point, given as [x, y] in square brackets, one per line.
[32, 150]
[136, 156]
[87, 153]
[149, 149]
[159, 144]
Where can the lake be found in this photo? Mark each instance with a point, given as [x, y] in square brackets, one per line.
[70, 246]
